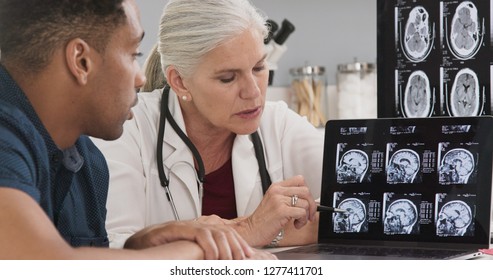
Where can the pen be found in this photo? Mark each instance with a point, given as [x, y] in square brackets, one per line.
[322, 208]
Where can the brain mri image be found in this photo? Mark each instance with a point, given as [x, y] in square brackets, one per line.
[403, 166]
[417, 97]
[465, 33]
[353, 219]
[400, 218]
[417, 35]
[456, 166]
[454, 218]
[465, 96]
[352, 166]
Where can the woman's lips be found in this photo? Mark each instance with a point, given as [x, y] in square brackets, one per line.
[249, 114]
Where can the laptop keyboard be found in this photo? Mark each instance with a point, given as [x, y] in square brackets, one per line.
[413, 253]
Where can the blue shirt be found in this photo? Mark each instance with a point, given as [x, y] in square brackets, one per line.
[70, 185]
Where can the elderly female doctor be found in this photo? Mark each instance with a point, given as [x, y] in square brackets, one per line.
[201, 129]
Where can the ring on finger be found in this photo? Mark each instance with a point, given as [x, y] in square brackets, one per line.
[294, 200]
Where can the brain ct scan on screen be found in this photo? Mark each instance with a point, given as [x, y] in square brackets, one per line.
[352, 166]
[430, 181]
[465, 94]
[403, 166]
[454, 219]
[418, 35]
[456, 166]
[400, 217]
[465, 33]
[422, 45]
[353, 219]
[417, 96]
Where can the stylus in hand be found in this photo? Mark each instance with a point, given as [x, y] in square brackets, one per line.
[322, 208]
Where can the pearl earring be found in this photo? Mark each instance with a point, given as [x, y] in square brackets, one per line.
[184, 97]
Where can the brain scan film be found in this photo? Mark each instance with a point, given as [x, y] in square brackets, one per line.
[465, 96]
[352, 167]
[353, 219]
[465, 34]
[456, 166]
[400, 217]
[403, 166]
[417, 35]
[454, 218]
[417, 97]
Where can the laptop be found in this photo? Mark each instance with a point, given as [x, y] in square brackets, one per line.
[413, 189]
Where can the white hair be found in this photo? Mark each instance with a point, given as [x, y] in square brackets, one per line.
[189, 29]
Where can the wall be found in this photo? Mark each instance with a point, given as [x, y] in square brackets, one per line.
[328, 32]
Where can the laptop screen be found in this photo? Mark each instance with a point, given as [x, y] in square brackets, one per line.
[417, 180]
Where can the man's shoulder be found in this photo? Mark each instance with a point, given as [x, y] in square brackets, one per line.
[22, 150]
[16, 122]
[8, 109]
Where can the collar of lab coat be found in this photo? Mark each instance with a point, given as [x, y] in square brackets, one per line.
[245, 175]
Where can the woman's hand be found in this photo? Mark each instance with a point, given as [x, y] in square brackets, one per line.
[216, 240]
[212, 220]
[284, 202]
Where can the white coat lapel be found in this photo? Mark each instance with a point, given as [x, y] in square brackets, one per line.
[248, 190]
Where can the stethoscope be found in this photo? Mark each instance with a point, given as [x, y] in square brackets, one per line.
[165, 114]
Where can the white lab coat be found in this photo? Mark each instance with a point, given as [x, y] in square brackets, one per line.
[292, 146]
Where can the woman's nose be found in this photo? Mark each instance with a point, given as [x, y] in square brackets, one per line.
[250, 88]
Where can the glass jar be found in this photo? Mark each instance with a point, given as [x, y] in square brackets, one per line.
[309, 84]
[356, 90]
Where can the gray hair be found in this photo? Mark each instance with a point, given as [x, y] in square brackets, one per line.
[189, 29]
[154, 73]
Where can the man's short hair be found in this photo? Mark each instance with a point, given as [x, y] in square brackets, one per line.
[31, 30]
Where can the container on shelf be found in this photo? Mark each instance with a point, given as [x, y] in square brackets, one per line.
[309, 87]
[357, 90]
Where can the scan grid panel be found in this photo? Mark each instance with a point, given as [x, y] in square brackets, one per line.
[434, 58]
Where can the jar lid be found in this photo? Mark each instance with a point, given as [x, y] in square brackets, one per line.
[356, 67]
[307, 70]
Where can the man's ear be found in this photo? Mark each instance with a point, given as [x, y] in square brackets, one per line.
[176, 82]
[78, 57]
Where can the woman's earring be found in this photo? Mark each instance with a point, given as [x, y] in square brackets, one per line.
[184, 97]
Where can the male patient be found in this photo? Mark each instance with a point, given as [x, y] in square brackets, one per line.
[68, 70]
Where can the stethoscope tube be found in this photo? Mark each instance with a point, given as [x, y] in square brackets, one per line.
[162, 177]
[165, 114]
[259, 153]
